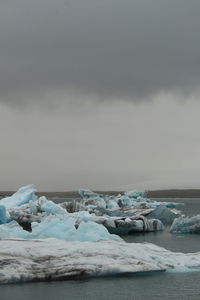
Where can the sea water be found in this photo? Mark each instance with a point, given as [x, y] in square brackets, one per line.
[151, 286]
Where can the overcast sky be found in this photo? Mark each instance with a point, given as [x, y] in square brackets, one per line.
[102, 94]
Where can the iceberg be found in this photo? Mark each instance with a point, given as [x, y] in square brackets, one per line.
[53, 259]
[18, 199]
[132, 224]
[22, 196]
[136, 199]
[115, 225]
[121, 225]
[30, 214]
[186, 225]
[60, 227]
[164, 214]
[23, 216]
[35, 211]
[120, 214]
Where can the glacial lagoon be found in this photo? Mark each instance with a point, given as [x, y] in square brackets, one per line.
[154, 285]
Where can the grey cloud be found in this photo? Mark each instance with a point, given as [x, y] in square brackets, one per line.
[124, 49]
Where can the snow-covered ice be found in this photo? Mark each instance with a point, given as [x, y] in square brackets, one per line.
[52, 259]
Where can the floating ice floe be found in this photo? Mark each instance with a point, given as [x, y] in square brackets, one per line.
[120, 214]
[37, 209]
[136, 199]
[186, 225]
[42, 226]
[121, 225]
[132, 224]
[52, 259]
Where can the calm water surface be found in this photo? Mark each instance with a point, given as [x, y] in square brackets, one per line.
[152, 286]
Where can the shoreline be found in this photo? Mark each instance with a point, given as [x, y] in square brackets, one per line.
[168, 193]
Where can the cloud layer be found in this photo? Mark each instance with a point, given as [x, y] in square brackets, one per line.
[130, 49]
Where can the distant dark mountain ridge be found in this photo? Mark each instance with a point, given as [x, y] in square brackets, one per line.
[169, 193]
[174, 193]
